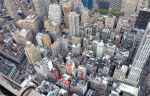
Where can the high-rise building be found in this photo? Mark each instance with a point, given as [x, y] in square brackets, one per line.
[140, 5]
[41, 7]
[85, 17]
[46, 41]
[32, 53]
[67, 7]
[54, 13]
[100, 49]
[77, 5]
[129, 7]
[116, 4]
[74, 23]
[125, 23]
[110, 22]
[88, 3]
[11, 8]
[142, 19]
[1, 5]
[81, 72]
[104, 4]
[120, 74]
[147, 4]
[140, 58]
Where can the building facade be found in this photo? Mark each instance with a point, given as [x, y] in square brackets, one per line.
[129, 7]
[140, 58]
[11, 8]
[116, 4]
[74, 24]
[41, 7]
[142, 19]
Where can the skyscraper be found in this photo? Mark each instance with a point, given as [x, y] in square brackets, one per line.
[140, 58]
[104, 4]
[11, 8]
[74, 23]
[33, 54]
[129, 7]
[41, 7]
[142, 19]
[100, 49]
[146, 3]
[116, 4]
[1, 5]
[54, 13]
[77, 5]
[88, 3]
[140, 5]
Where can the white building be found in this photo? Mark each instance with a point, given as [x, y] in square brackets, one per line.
[74, 24]
[54, 13]
[100, 49]
[109, 22]
[140, 58]
[126, 90]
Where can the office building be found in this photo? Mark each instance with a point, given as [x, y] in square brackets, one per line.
[81, 73]
[41, 7]
[140, 5]
[67, 7]
[54, 14]
[116, 4]
[140, 58]
[142, 19]
[85, 17]
[125, 23]
[30, 22]
[46, 41]
[11, 8]
[33, 54]
[146, 4]
[100, 49]
[120, 73]
[22, 36]
[129, 7]
[1, 5]
[77, 5]
[110, 22]
[124, 90]
[88, 3]
[74, 24]
[103, 4]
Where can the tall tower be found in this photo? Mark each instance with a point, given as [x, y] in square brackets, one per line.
[32, 53]
[54, 13]
[74, 24]
[116, 4]
[129, 7]
[1, 5]
[140, 58]
[41, 7]
[88, 3]
[100, 49]
[11, 8]
[147, 4]
[142, 19]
